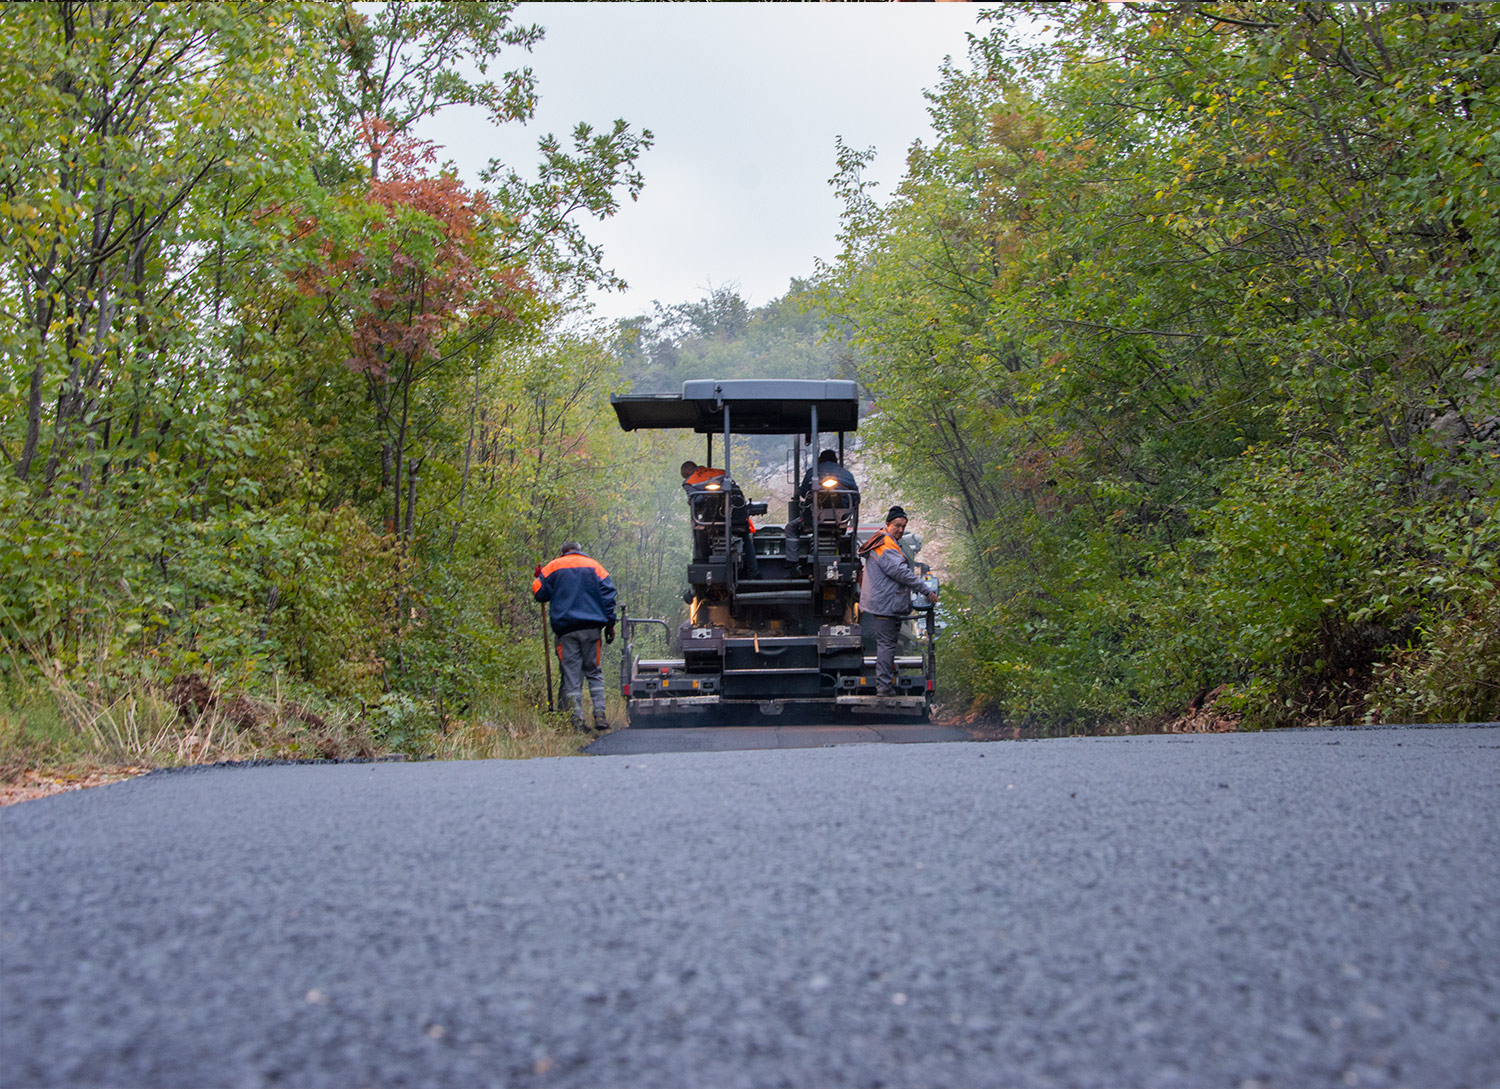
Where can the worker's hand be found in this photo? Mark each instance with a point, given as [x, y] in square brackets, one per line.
[609, 633]
[931, 597]
[538, 571]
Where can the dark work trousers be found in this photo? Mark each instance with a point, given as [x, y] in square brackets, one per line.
[887, 631]
[578, 653]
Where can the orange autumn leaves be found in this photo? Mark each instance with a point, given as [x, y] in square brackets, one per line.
[419, 262]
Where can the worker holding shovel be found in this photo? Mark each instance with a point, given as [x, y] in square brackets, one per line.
[583, 604]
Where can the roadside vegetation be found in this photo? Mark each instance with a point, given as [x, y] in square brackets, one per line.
[1189, 313]
[288, 411]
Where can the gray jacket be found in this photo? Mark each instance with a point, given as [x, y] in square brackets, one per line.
[888, 581]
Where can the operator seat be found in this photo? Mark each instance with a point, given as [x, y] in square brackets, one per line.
[835, 528]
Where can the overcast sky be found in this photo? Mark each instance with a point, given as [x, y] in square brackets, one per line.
[744, 101]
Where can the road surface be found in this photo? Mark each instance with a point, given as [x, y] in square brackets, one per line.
[638, 741]
[1301, 908]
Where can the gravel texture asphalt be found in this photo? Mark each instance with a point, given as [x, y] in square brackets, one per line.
[638, 742]
[1318, 907]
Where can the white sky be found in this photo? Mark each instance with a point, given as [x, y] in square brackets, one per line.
[744, 101]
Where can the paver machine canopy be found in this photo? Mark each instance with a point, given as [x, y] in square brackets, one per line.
[750, 406]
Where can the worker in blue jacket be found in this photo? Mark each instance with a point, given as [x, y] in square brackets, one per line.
[583, 603]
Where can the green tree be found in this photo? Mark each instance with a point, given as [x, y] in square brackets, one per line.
[406, 61]
[107, 239]
[136, 138]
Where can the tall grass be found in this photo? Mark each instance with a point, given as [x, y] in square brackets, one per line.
[59, 718]
[501, 730]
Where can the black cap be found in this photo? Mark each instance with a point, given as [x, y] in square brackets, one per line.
[894, 513]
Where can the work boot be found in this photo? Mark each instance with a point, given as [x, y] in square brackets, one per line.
[885, 693]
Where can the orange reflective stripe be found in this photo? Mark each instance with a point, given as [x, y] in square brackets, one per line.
[572, 559]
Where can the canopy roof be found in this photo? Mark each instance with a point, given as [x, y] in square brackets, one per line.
[757, 406]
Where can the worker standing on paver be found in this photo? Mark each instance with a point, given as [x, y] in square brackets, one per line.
[583, 604]
[885, 594]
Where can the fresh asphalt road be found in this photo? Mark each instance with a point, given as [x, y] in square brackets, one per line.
[639, 742]
[1316, 908]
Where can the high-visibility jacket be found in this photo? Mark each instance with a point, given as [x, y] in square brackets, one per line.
[580, 591]
[704, 474]
[888, 581]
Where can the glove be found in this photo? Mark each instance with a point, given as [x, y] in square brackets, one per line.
[609, 633]
[538, 571]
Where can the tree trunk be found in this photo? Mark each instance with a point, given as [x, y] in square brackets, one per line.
[400, 446]
[412, 469]
[33, 422]
[463, 487]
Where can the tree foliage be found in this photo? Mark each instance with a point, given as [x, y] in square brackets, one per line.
[284, 402]
[1189, 312]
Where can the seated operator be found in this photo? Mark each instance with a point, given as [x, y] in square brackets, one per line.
[836, 484]
[704, 485]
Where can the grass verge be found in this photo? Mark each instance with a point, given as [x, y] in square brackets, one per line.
[57, 733]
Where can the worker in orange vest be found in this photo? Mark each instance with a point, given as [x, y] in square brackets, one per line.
[704, 484]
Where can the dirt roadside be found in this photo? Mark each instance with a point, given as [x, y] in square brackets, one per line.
[34, 784]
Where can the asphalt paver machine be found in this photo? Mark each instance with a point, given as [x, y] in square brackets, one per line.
[787, 642]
